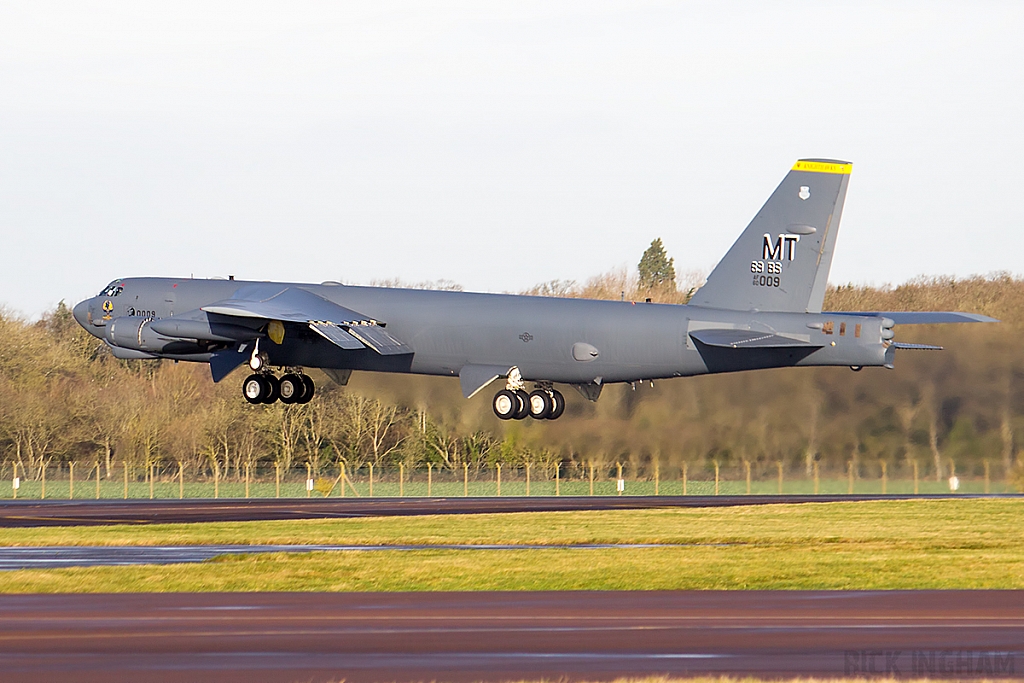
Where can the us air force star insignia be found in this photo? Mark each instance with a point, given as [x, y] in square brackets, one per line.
[804, 193]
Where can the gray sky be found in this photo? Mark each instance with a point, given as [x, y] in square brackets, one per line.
[495, 144]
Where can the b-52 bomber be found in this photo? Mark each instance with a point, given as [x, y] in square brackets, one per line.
[761, 307]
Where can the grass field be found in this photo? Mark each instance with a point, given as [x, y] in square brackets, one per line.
[870, 545]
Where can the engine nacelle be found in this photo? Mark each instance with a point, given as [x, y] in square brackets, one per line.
[130, 332]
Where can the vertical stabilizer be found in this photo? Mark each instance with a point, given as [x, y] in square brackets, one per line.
[781, 261]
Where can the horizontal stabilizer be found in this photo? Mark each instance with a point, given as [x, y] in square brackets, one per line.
[916, 347]
[336, 335]
[748, 339]
[377, 339]
[923, 317]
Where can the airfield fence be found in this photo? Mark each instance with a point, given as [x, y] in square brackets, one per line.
[162, 482]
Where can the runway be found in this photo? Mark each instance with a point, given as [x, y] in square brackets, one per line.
[55, 557]
[509, 636]
[32, 513]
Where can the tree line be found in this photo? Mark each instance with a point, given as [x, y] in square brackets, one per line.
[64, 398]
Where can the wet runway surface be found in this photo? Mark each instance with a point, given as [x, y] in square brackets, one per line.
[509, 636]
[30, 513]
[55, 557]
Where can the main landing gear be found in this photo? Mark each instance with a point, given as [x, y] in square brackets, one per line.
[292, 387]
[514, 403]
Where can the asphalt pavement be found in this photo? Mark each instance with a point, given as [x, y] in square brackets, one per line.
[356, 637]
[31, 513]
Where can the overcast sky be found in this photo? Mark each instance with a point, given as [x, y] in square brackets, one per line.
[494, 144]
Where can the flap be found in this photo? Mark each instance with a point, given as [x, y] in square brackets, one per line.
[922, 317]
[377, 339]
[336, 335]
[748, 339]
[473, 378]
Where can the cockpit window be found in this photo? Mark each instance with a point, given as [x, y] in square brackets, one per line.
[113, 289]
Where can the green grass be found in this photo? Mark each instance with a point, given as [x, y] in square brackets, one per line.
[871, 545]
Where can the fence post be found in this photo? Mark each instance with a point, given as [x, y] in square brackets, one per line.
[816, 480]
[618, 478]
[43, 493]
[342, 480]
[371, 480]
[657, 476]
[987, 487]
[527, 478]
[71, 479]
[591, 478]
[499, 478]
[401, 479]
[216, 479]
[465, 479]
[915, 476]
[746, 466]
[151, 468]
[430, 479]
[716, 477]
[885, 477]
[849, 476]
[277, 479]
[557, 470]
[778, 464]
[97, 480]
[684, 478]
[181, 480]
[15, 482]
[125, 462]
[248, 468]
[309, 478]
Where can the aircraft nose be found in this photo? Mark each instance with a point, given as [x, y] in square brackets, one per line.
[81, 313]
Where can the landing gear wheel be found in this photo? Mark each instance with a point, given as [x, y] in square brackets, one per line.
[273, 386]
[524, 405]
[307, 395]
[540, 404]
[557, 405]
[505, 404]
[254, 389]
[292, 388]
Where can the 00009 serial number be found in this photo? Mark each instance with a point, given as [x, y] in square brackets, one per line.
[772, 270]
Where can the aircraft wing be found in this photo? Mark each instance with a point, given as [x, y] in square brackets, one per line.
[922, 317]
[341, 326]
[748, 339]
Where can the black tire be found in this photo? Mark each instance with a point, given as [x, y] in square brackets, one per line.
[307, 382]
[292, 388]
[557, 405]
[505, 404]
[273, 385]
[254, 389]
[540, 404]
[524, 405]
